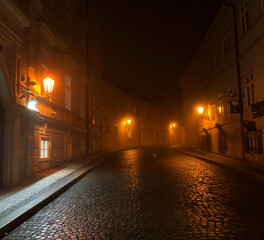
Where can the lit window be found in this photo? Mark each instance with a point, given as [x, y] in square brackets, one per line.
[44, 148]
[68, 93]
[250, 91]
[244, 18]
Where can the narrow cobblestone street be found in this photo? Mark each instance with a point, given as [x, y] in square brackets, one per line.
[153, 193]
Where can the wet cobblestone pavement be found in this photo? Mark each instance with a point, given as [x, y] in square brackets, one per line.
[153, 193]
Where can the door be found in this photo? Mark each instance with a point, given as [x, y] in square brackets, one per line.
[1, 143]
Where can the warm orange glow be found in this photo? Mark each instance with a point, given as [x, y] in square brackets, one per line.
[200, 110]
[128, 121]
[48, 85]
[220, 110]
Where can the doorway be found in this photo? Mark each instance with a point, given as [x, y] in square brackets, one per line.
[1, 143]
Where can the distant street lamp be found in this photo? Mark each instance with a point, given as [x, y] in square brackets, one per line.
[200, 110]
[173, 133]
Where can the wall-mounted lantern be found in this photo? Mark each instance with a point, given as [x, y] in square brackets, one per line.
[48, 85]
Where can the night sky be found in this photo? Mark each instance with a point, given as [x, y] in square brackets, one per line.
[147, 45]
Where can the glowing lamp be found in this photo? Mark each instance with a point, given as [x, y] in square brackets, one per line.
[220, 110]
[32, 105]
[128, 121]
[48, 85]
[200, 110]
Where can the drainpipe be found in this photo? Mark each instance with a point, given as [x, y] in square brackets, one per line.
[240, 97]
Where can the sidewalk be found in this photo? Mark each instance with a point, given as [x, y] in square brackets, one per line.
[253, 170]
[21, 202]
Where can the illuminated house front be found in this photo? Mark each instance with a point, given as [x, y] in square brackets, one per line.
[219, 69]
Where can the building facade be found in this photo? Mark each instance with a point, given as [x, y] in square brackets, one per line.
[42, 126]
[225, 80]
[41, 39]
[128, 121]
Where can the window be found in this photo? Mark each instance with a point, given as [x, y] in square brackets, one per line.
[244, 18]
[82, 102]
[116, 131]
[68, 93]
[217, 54]
[213, 113]
[250, 92]
[51, 4]
[68, 147]
[226, 42]
[68, 20]
[18, 74]
[107, 99]
[108, 130]
[220, 106]
[114, 102]
[45, 148]
[129, 132]
[253, 142]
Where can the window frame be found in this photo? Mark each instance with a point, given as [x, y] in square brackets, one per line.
[68, 150]
[226, 42]
[68, 96]
[250, 89]
[18, 73]
[116, 131]
[244, 22]
[82, 98]
[45, 139]
[108, 130]
[68, 20]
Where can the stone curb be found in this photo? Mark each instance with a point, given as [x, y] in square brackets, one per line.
[253, 174]
[9, 223]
